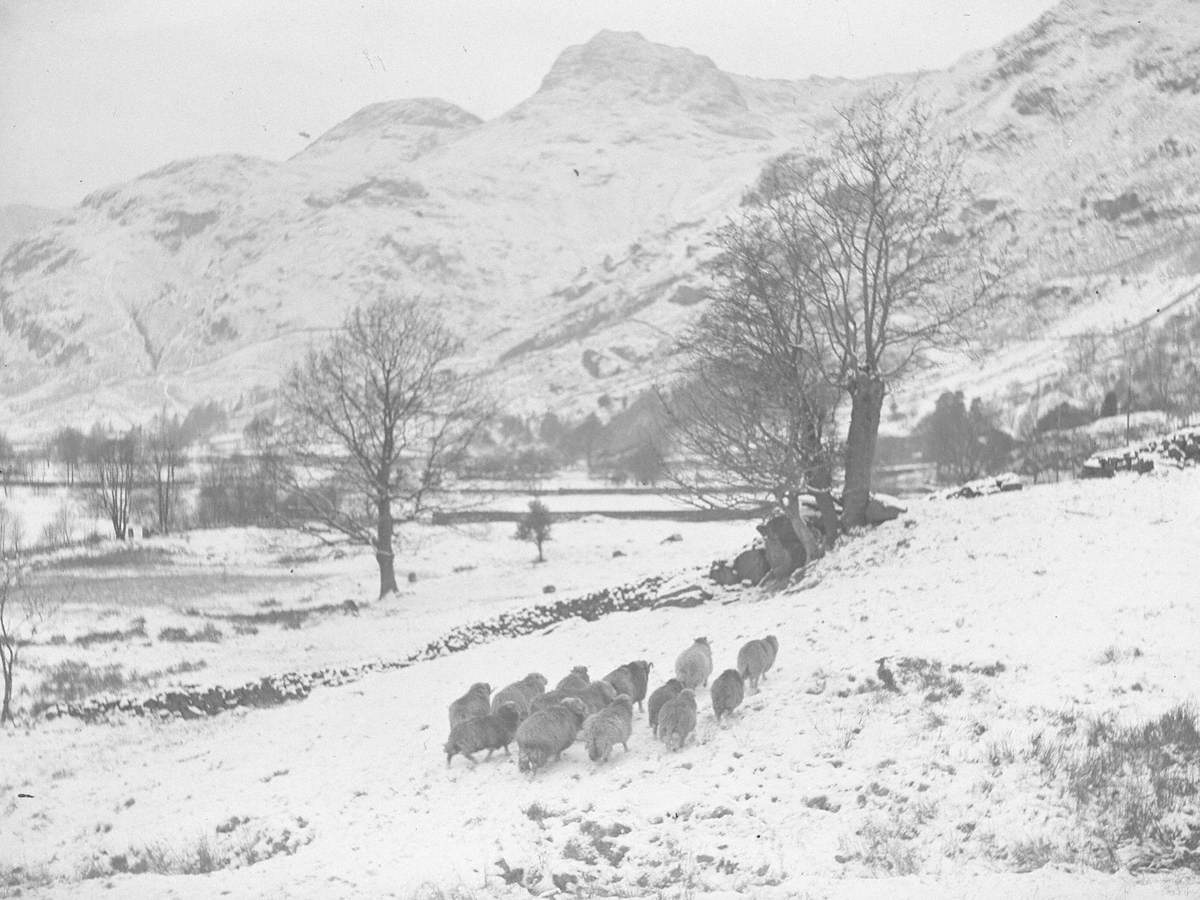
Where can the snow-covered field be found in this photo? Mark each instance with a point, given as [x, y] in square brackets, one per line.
[822, 784]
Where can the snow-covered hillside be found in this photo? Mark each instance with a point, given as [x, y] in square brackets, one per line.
[565, 238]
[823, 784]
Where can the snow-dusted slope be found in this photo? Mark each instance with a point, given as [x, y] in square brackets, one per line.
[565, 237]
[821, 785]
[19, 219]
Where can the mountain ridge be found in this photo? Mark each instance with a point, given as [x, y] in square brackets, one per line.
[565, 238]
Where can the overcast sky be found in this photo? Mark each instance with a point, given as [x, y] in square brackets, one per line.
[97, 91]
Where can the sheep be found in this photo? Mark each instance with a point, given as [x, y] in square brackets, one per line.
[752, 661]
[547, 733]
[596, 696]
[612, 725]
[632, 679]
[677, 719]
[471, 705]
[621, 678]
[772, 643]
[694, 664]
[522, 693]
[576, 681]
[727, 693]
[668, 691]
[489, 733]
[755, 658]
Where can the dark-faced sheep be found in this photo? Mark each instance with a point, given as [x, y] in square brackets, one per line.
[677, 719]
[522, 693]
[612, 725]
[575, 682]
[727, 692]
[694, 664]
[471, 705]
[632, 679]
[547, 733]
[661, 695]
[755, 658]
[490, 733]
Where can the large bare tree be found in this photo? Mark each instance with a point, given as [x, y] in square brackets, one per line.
[750, 404]
[373, 420]
[875, 242]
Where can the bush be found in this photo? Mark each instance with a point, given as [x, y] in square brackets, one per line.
[60, 530]
[209, 633]
[1135, 789]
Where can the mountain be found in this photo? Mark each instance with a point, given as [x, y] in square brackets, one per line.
[564, 239]
[19, 219]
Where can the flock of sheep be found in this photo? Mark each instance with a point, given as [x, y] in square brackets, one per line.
[545, 723]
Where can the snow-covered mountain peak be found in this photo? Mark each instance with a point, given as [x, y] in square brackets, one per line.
[409, 127]
[623, 66]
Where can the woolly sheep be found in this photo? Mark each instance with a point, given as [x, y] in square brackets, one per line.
[471, 705]
[694, 664]
[772, 643]
[677, 719]
[490, 733]
[752, 661]
[597, 695]
[576, 681]
[547, 733]
[522, 693]
[727, 692]
[668, 691]
[632, 679]
[612, 725]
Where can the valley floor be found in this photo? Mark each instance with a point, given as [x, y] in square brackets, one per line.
[822, 785]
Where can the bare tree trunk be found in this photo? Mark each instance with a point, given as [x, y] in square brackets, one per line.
[8, 659]
[383, 547]
[866, 405]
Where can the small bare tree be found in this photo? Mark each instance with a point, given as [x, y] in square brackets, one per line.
[373, 421]
[875, 242]
[23, 608]
[535, 526]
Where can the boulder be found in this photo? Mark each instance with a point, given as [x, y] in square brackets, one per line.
[784, 550]
[882, 508]
[751, 565]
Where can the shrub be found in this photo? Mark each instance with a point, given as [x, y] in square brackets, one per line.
[209, 633]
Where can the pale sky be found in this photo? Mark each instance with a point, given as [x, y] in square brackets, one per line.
[93, 92]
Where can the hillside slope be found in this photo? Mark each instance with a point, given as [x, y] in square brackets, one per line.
[823, 783]
[565, 238]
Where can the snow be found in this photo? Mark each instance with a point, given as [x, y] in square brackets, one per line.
[1044, 580]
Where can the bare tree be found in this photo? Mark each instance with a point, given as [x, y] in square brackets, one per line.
[22, 608]
[68, 444]
[877, 244]
[374, 420]
[166, 454]
[116, 460]
[750, 405]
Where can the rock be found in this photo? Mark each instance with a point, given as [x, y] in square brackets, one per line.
[722, 573]
[751, 565]
[782, 547]
[882, 508]
[549, 589]
[672, 538]
[617, 554]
